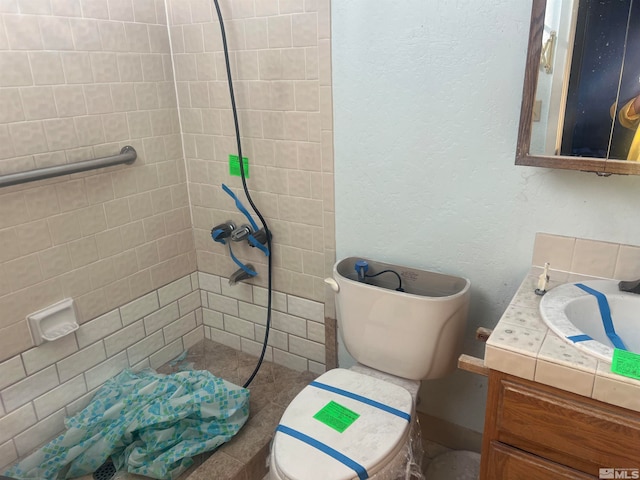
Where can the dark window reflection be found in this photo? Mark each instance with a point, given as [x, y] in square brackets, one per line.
[605, 69]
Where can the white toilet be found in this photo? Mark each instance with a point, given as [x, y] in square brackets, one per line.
[355, 423]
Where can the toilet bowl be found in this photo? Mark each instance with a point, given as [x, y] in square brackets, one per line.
[356, 423]
[364, 433]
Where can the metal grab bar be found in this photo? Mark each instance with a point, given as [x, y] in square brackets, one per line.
[127, 155]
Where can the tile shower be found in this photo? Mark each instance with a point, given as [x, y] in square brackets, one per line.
[131, 244]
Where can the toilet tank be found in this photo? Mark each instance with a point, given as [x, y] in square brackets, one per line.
[416, 334]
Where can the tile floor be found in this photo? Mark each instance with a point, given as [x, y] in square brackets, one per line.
[244, 457]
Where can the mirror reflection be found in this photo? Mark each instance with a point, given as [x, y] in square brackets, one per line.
[587, 100]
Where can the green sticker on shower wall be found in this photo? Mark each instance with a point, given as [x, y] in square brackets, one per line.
[626, 363]
[336, 416]
[234, 166]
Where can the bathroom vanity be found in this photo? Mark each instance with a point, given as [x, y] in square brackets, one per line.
[553, 411]
[536, 432]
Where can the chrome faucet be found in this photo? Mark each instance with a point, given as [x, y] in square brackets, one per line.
[632, 286]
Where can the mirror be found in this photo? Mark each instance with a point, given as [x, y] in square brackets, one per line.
[581, 78]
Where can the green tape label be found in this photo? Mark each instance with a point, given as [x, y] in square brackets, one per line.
[336, 416]
[626, 363]
[234, 166]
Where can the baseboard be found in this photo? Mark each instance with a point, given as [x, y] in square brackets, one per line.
[449, 434]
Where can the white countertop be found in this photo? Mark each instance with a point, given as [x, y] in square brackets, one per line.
[522, 345]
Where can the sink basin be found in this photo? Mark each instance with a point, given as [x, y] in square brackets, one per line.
[578, 313]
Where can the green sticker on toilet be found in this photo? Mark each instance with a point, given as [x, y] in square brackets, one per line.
[336, 416]
[626, 363]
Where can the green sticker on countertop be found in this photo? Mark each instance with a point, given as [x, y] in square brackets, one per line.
[336, 416]
[626, 363]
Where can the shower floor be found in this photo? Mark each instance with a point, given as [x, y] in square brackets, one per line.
[244, 456]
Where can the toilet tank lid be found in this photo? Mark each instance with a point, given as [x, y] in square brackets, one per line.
[340, 425]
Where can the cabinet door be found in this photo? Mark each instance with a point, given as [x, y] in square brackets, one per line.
[508, 463]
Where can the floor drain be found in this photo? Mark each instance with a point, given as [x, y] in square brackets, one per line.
[105, 472]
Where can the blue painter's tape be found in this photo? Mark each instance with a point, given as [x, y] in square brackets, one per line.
[605, 313]
[240, 206]
[240, 264]
[215, 234]
[579, 338]
[362, 399]
[324, 448]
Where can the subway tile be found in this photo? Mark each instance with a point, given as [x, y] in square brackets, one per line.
[166, 354]
[11, 371]
[59, 397]
[99, 374]
[48, 353]
[161, 318]
[225, 338]
[255, 348]
[98, 328]
[31, 387]
[193, 337]
[302, 307]
[289, 360]
[174, 291]
[145, 347]
[76, 405]
[17, 421]
[253, 313]
[40, 433]
[240, 291]
[8, 454]
[276, 338]
[289, 323]
[212, 318]
[223, 304]
[238, 326]
[124, 338]
[316, 331]
[317, 368]
[306, 348]
[81, 361]
[180, 327]
[189, 303]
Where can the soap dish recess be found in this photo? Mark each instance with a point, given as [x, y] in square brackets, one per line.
[53, 322]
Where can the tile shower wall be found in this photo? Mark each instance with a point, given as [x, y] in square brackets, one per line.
[90, 76]
[280, 56]
[80, 79]
[236, 317]
[43, 385]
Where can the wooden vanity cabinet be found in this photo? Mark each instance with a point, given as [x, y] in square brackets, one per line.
[536, 432]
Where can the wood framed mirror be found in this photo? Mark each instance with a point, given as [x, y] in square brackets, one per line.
[574, 96]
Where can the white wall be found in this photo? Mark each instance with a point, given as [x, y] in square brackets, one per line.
[426, 100]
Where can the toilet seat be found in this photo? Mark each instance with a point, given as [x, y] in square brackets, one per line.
[375, 416]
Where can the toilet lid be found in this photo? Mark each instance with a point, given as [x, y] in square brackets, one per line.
[340, 427]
